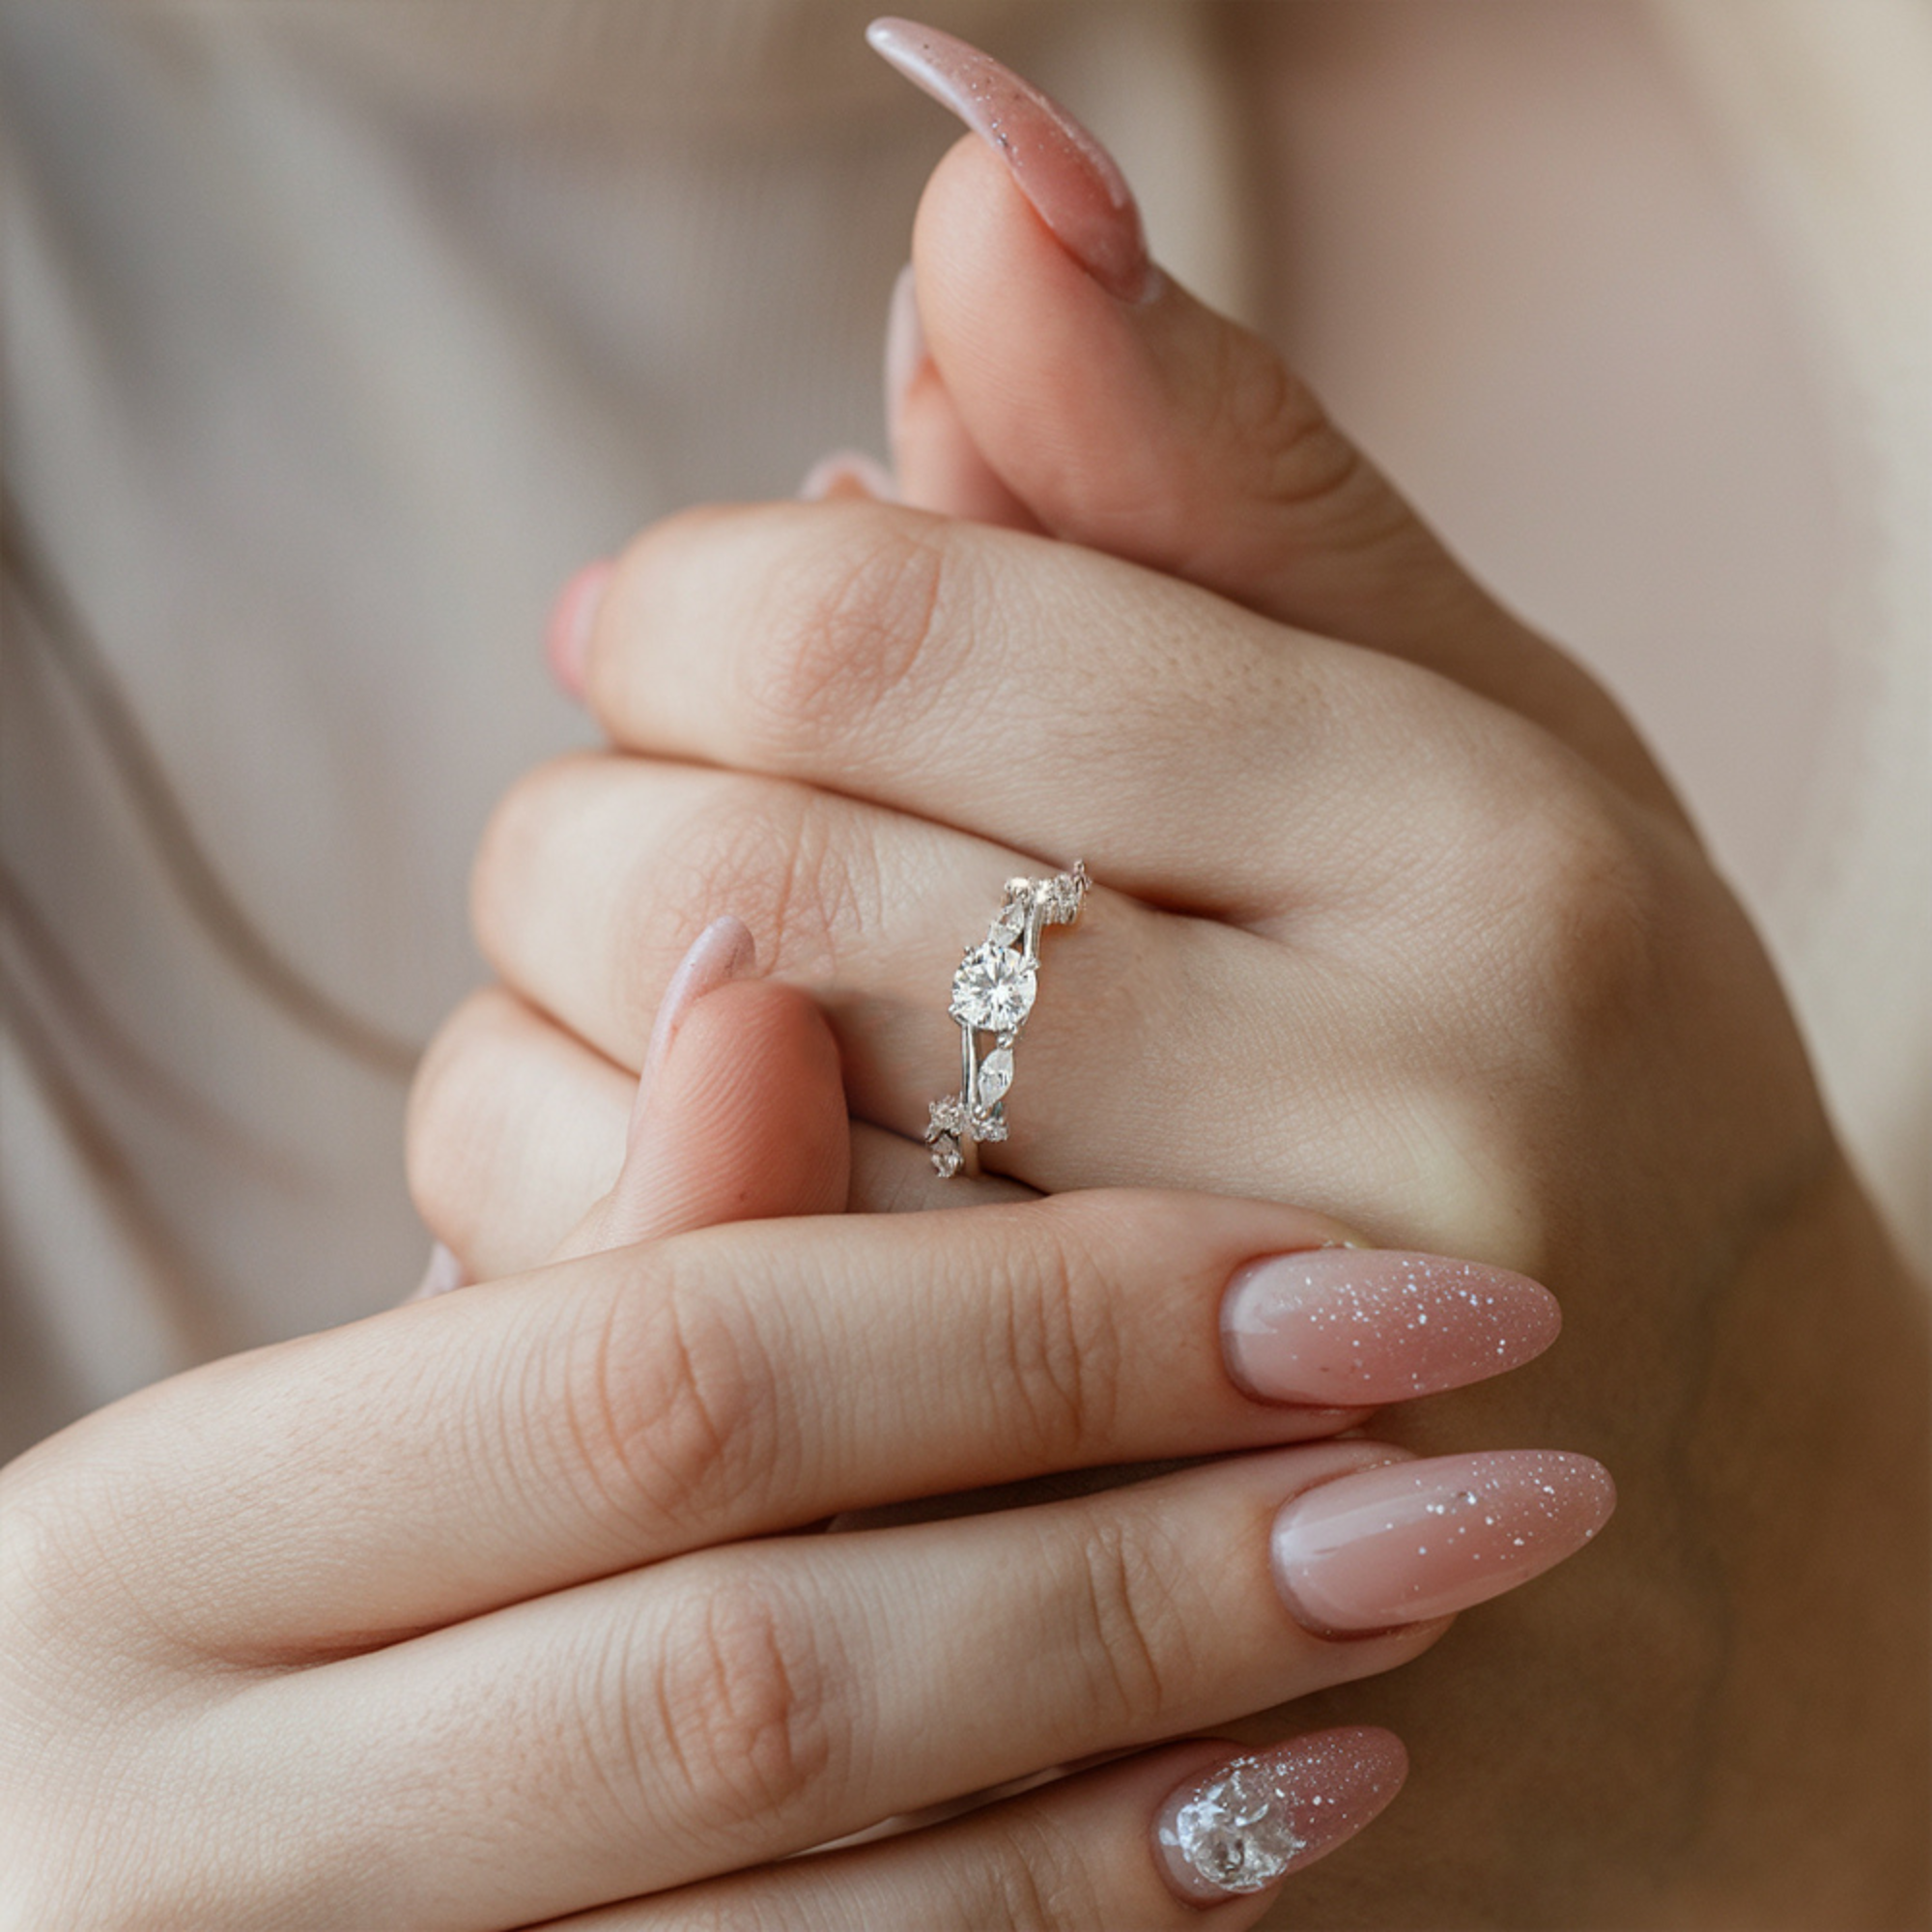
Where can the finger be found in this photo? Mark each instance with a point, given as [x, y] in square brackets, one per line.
[1140, 1844]
[456, 1455]
[516, 1127]
[742, 1119]
[1042, 694]
[1126, 415]
[938, 466]
[754, 1700]
[869, 911]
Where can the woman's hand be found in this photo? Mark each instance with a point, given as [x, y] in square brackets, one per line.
[1397, 918]
[505, 1605]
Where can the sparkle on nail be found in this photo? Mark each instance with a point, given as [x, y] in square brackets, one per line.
[1235, 1832]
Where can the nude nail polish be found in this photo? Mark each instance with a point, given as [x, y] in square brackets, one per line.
[1072, 181]
[848, 473]
[1348, 1327]
[1251, 1822]
[725, 950]
[905, 346]
[567, 634]
[444, 1273]
[1411, 1540]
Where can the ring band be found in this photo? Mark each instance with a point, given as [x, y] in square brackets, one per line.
[993, 993]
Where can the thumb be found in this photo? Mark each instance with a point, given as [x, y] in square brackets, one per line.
[1128, 416]
[740, 1114]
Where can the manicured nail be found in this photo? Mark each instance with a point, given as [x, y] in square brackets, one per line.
[444, 1273]
[848, 472]
[1249, 1822]
[1347, 1327]
[1409, 1541]
[723, 951]
[905, 346]
[1070, 178]
[567, 634]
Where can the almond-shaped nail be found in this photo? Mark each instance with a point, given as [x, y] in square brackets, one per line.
[905, 346]
[723, 951]
[1348, 1327]
[567, 634]
[444, 1273]
[1072, 181]
[1249, 1823]
[1411, 1540]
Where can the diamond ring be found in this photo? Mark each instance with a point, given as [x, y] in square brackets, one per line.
[993, 993]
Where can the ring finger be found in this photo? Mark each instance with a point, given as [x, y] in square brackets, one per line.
[1142, 1844]
[598, 870]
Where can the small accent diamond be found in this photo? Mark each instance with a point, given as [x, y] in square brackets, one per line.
[996, 1076]
[988, 1123]
[1235, 1830]
[946, 1157]
[993, 988]
[944, 1116]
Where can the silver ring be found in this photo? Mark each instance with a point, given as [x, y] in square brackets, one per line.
[993, 994]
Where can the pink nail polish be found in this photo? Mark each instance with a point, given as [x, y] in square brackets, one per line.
[1067, 176]
[905, 346]
[567, 634]
[723, 951]
[1252, 1821]
[1348, 1327]
[848, 472]
[1409, 1541]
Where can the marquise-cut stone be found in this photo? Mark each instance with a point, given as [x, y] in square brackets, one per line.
[993, 988]
[996, 1076]
[946, 1160]
[1235, 1832]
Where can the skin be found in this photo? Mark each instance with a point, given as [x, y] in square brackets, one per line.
[1398, 920]
[483, 1610]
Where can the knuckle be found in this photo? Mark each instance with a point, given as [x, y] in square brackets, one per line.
[670, 1408]
[1035, 1877]
[1578, 905]
[1304, 462]
[444, 1121]
[1056, 1353]
[842, 634]
[1130, 1626]
[740, 1696]
[515, 849]
[793, 862]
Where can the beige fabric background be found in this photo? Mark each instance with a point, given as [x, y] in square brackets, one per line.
[333, 334]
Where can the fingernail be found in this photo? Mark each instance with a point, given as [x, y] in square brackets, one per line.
[905, 346]
[444, 1273]
[1409, 1541]
[1068, 177]
[567, 634]
[723, 951]
[848, 472]
[1253, 1819]
[1349, 1328]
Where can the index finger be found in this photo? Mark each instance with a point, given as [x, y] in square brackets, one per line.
[454, 1455]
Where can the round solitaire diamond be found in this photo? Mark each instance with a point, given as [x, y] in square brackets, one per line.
[993, 988]
[1234, 1831]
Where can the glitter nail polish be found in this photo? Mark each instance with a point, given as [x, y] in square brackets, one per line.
[1248, 1823]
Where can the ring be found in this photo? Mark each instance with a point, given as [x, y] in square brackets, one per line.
[993, 993]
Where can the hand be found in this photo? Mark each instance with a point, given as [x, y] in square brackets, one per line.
[1405, 925]
[452, 1618]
